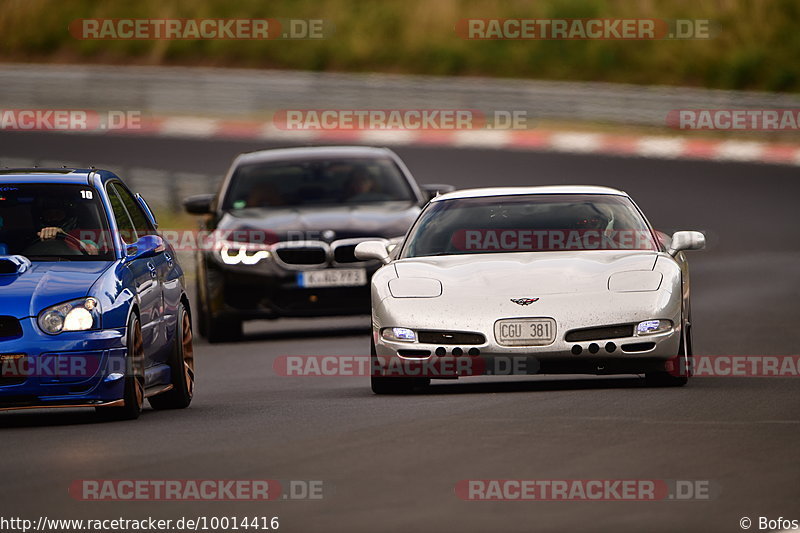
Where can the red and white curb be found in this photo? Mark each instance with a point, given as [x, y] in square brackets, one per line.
[659, 147]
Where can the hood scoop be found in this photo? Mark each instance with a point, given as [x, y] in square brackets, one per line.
[11, 265]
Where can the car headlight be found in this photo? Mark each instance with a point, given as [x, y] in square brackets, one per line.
[399, 334]
[76, 315]
[244, 253]
[651, 327]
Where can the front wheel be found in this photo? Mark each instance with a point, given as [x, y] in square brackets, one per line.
[216, 328]
[680, 376]
[392, 385]
[223, 329]
[181, 367]
[133, 396]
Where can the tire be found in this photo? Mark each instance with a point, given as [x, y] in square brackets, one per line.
[181, 367]
[133, 395]
[201, 311]
[394, 385]
[218, 329]
[215, 328]
[223, 329]
[666, 379]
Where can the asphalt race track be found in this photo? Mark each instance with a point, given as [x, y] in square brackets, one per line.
[392, 463]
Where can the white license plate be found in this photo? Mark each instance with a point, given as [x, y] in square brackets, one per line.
[332, 277]
[525, 331]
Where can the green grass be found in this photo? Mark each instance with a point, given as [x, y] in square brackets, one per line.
[756, 43]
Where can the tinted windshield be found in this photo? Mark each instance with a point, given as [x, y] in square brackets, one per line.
[529, 223]
[47, 222]
[317, 182]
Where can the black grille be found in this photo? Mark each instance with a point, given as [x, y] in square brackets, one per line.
[414, 353]
[597, 334]
[10, 327]
[345, 254]
[450, 337]
[638, 347]
[302, 255]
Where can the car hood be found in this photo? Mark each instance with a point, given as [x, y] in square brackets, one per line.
[44, 284]
[387, 220]
[525, 275]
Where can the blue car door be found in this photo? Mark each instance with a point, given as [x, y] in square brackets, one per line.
[146, 284]
[163, 263]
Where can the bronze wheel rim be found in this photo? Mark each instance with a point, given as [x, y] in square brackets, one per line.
[138, 357]
[188, 354]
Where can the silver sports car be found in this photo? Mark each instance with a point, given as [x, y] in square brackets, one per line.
[531, 280]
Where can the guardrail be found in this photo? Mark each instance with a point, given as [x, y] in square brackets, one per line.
[240, 93]
[236, 93]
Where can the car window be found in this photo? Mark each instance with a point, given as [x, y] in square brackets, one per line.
[137, 215]
[47, 221]
[529, 223]
[124, 224]
[317, 182]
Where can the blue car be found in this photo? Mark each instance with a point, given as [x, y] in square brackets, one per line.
[93, 307]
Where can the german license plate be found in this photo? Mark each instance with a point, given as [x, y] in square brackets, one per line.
[525, 331]
[332, 277]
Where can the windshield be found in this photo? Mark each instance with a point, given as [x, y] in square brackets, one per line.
[53, 222]
[528, 223]
[317, 182]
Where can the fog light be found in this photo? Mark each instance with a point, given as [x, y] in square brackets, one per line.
[399, 334]
[651, 327]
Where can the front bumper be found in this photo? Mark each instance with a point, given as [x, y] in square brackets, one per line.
[72, 369]
[267, 290]
[617, 355]
[631, 355]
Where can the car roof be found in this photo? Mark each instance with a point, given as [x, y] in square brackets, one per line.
[80, 176]
[312, 152]
[514, 191]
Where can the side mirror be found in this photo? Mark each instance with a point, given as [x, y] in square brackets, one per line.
[686, 240]
[199, 204]
[147, 211]
[433, 190]
[146, 246]
[372, 250]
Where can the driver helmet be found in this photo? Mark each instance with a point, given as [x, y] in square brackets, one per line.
[56, 212]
